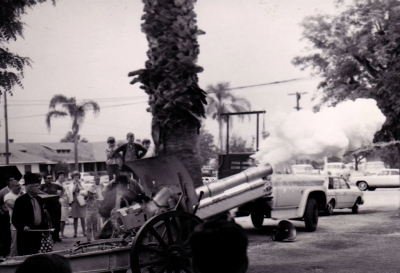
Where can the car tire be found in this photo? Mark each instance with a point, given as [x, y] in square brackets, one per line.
[311, 214]
[371, 189]
[257, 219]
[362, 186]
[330, 207]
[354, 209]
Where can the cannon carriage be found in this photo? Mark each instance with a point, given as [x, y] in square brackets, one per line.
[153, 236]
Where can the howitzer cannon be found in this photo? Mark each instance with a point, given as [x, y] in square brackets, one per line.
[153, 236]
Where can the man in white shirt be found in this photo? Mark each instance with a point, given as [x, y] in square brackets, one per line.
[9, 200]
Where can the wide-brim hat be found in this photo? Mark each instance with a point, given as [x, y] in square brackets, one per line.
[31, 178]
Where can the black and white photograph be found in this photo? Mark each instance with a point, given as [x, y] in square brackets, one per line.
[199, 136]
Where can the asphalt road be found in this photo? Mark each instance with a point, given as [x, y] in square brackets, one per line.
[343, 242]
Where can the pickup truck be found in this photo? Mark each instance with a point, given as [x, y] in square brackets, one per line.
[294, 197]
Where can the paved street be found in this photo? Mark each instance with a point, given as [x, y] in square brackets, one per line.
[343, 242]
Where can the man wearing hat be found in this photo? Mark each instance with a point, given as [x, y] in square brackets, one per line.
[28, 215]
[112, 159]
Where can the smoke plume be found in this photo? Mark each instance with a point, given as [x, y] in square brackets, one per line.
[330, 132]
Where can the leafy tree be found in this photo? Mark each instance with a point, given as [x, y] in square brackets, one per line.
[11, 27]
[207, 147]
[76, 112]
[62, 166]
[357, 53]
[220, 100]
[170, 80]
[238, 145]
[69, 137]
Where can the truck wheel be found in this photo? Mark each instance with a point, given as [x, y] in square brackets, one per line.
[363, 186]
[329, 208]
[354, 209]
[257, 219]
[311, 214]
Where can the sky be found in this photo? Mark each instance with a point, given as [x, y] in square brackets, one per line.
[85, 49]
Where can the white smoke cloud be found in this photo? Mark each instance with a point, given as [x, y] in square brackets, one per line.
[330, 132]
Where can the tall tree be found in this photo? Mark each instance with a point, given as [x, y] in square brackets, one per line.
[170, 80]
[75, 111]
[357, 53]
[69, 137]
[220, 100]
[207, 147]
[11, 27]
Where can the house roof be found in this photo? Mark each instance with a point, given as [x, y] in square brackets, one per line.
[99, 151]
[53, 152]
[18, 157]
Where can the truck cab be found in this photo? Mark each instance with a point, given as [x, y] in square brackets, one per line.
[294, 196]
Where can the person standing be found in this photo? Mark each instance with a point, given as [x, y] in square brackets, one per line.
[53, 205]
[131, 151]
[146, 143]
[64, 202]
[5, 238]
[112, 159]
[9, 200]
[78, 210]
[28, 215]
[92, 213]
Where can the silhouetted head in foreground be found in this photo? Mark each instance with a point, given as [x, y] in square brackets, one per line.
[219, 246]
[45, 264]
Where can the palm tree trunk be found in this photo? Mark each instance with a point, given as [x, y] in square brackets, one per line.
[183, 142]
[76, 152]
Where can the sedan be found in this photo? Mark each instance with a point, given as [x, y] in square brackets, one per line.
[385, 178]
[341, 196]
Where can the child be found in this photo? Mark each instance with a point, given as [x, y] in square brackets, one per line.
[92, 213]
[112, 159]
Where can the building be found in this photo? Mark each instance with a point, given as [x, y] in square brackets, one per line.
[43, 157]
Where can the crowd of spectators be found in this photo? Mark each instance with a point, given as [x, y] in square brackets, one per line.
[27, 218]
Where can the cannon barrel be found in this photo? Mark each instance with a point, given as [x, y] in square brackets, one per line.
[233, 191]
[249, 175]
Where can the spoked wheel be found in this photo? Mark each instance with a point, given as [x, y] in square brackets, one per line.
[162, 243]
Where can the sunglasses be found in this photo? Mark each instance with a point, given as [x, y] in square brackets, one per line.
[111, 142]
[131, 136]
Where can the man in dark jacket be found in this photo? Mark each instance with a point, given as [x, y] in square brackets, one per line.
[28, 215]
[131, 151]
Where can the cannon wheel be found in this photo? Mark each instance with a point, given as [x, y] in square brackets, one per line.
[162, 243]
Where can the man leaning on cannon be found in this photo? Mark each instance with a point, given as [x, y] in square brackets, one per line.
[28, 216]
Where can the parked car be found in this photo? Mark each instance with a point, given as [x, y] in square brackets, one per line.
[336, 169]
[87, 177]
[373, 167]
[386, 178]
[341, 196]
[304, 169]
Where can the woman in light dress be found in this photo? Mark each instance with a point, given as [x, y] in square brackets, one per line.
[78, 210]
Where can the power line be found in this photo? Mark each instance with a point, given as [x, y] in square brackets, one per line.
[112, 106]
[268, 83]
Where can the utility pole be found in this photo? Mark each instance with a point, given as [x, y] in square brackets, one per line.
[6, 126]
[298, 97]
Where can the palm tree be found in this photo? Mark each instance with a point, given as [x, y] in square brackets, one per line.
[220, 100]
[170, 80]
[77, 113]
